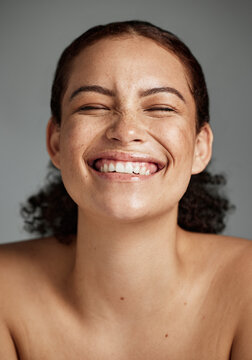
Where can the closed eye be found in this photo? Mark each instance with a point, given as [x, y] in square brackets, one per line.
[160, 109]
[88, 107]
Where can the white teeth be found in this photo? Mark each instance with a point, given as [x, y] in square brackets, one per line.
[142, 170]
[119, 167]
[111, 167]
[129, 168]
[125, 168]
[136, 169]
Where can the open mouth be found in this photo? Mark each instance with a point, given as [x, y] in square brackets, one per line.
[125, 167]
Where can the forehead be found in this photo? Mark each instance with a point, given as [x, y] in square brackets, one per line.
[128, 62]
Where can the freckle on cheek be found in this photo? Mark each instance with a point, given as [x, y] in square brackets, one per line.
[166, 335]
[121, 298]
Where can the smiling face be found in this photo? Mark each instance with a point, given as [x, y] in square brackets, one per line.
[128, 101]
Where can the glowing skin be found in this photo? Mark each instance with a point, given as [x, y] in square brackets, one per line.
[128, 241]
[128, 123]
[133, 285]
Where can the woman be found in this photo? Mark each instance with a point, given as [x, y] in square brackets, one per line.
[143, 275]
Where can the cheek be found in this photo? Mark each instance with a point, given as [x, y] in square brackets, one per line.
[178, 141]
[74, 140]
[181, 142]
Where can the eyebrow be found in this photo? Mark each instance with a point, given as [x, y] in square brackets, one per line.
[92, 88]
[162, 89]
[142, 93]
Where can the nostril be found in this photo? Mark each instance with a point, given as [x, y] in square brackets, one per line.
[125, 132]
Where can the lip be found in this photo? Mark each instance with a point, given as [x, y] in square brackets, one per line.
[125, 156]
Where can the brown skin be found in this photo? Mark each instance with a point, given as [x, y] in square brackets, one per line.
[213, 311]
[132, 285]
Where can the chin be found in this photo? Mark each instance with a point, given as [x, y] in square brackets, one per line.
[122, 211]
[129, 211]
[127, 215]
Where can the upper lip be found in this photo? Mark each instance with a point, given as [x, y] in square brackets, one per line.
[126, 156]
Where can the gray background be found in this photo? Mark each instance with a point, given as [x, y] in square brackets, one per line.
[34, 33]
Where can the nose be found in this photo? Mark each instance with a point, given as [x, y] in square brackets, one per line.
[126, 129]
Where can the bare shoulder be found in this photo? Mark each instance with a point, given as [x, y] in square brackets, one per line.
[238, 252]
[227, 263]
[28, 270]
[18, 257]
[238, 255]
[230, 259]
[25, 263]
[225, 260]
[240, 278]
[30, 253]
[231, 252]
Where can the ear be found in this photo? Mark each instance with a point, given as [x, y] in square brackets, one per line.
[203, 149]
[53, 141]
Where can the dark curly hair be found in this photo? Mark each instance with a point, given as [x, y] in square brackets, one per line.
[202, 208]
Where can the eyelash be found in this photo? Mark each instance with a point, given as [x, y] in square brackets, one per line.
[91, 108]
[160, 109]
[151, 109]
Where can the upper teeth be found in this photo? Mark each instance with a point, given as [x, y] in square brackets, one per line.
[126, 168]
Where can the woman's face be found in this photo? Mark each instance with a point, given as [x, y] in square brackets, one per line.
[109, 112]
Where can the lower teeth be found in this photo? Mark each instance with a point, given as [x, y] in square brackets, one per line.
[117, 172]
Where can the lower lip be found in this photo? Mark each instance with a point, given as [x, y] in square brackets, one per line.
[122, 177]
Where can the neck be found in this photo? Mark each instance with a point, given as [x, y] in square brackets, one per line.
[125, 270]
